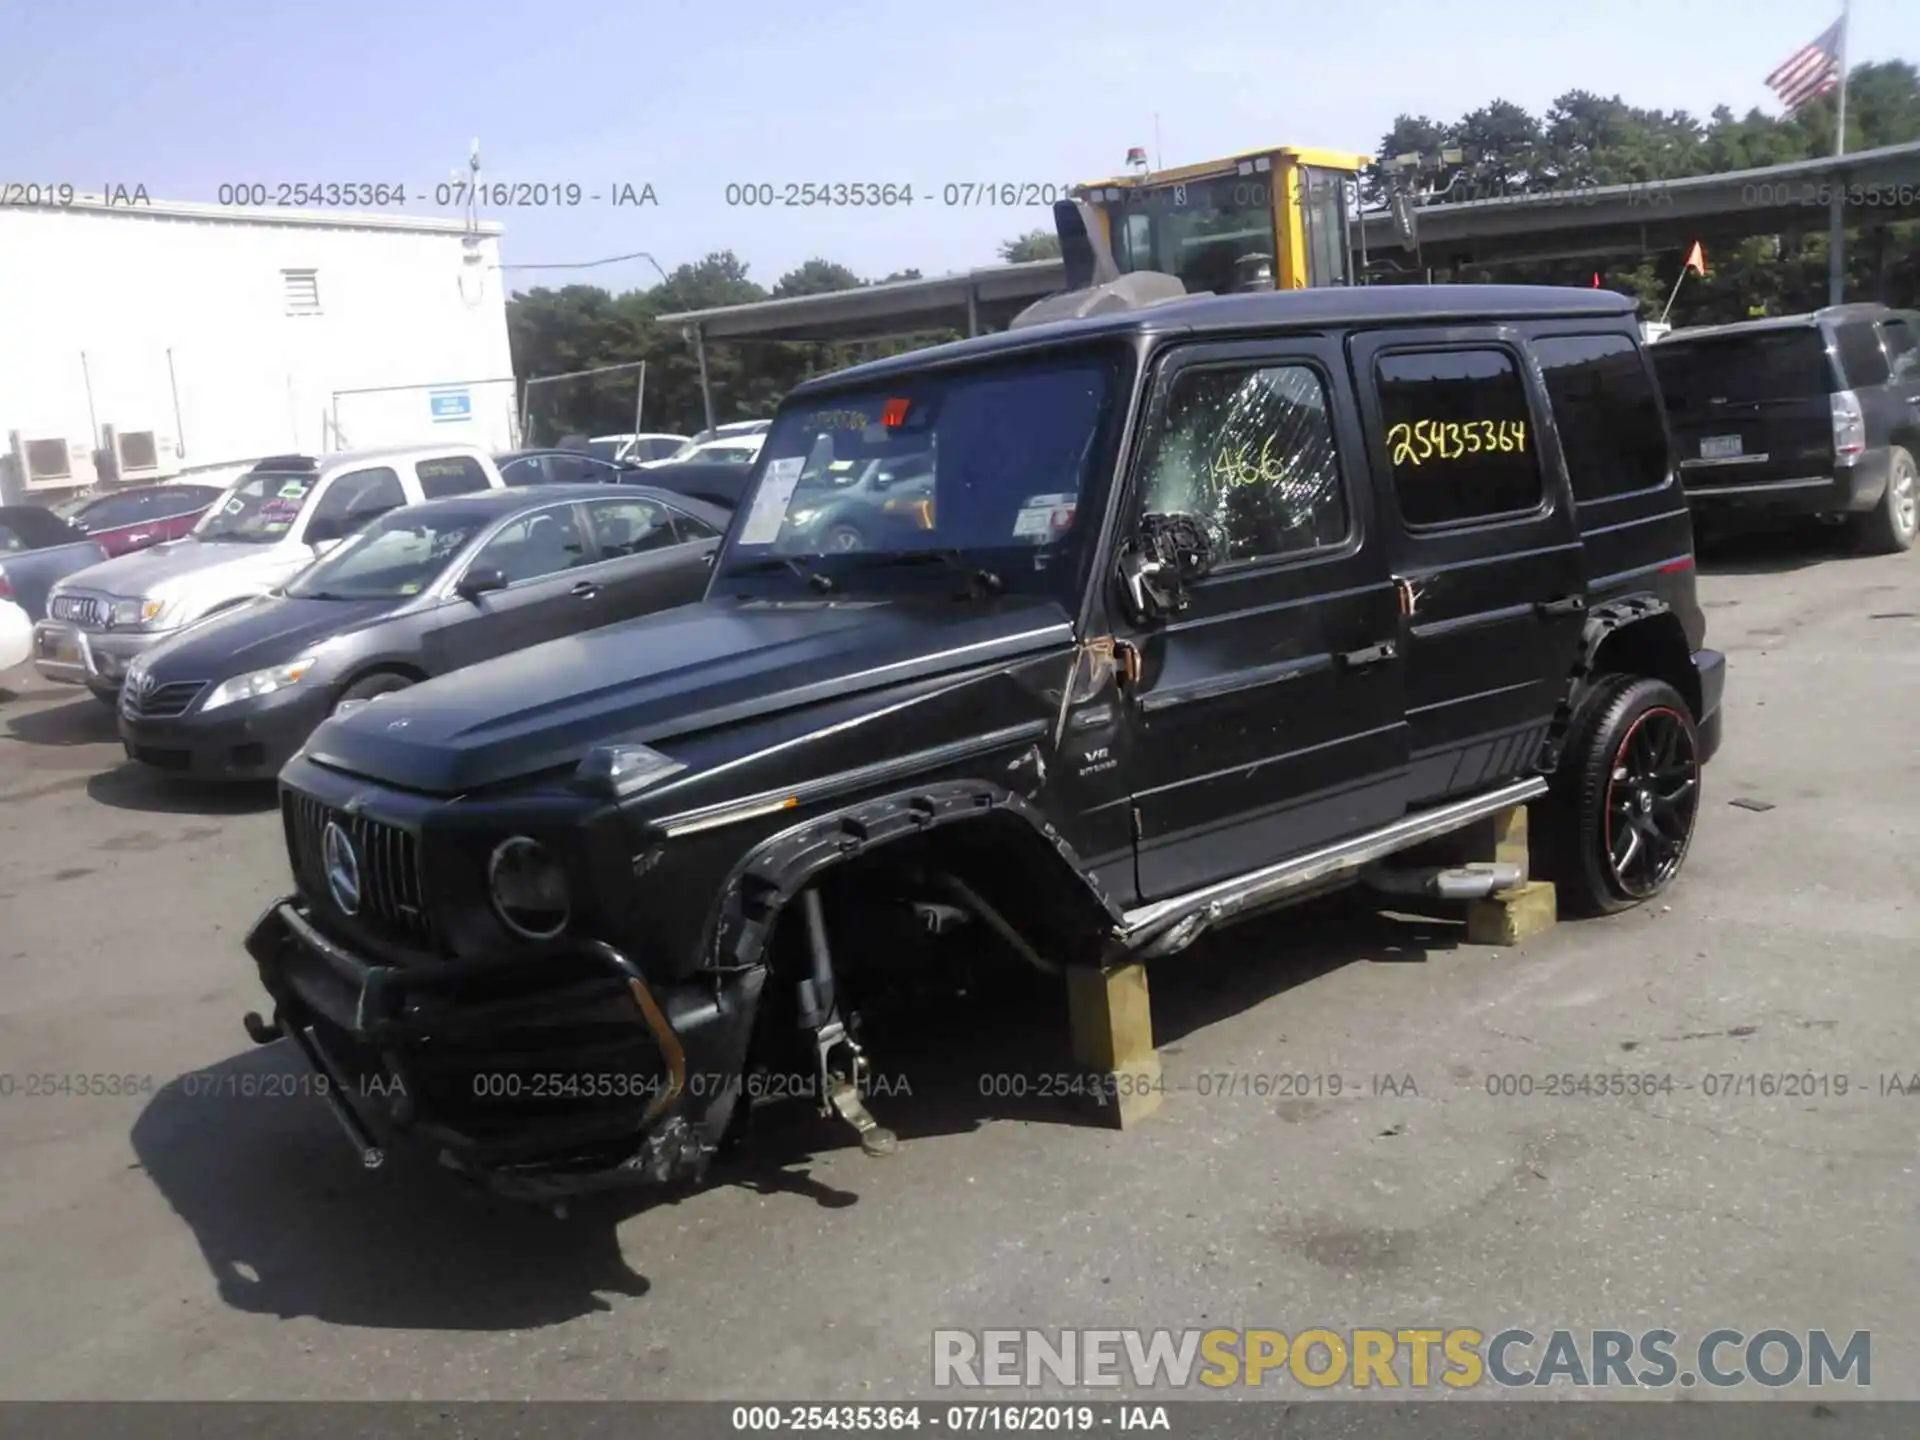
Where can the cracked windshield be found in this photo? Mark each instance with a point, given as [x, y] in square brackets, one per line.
[991, 462]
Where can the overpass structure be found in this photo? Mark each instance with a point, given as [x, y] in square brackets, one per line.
[1875, 188]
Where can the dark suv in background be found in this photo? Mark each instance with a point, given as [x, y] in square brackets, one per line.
[1815, 415]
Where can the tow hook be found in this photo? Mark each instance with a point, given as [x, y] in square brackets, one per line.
[841, 1063]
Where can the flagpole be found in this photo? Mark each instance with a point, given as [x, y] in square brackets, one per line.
[1836, 228]
[1675, 295]
[1840, 128]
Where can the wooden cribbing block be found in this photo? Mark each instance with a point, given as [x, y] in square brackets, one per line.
[1112, 1033]
[1512, 916]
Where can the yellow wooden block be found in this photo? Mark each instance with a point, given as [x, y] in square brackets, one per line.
[1510, 840]
[1513, 915]
[1112, 1034]
[1134, 1091]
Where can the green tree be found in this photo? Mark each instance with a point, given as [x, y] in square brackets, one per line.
[1034, 245]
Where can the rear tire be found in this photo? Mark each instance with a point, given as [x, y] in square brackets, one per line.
[1890, 526]
[1625, 799]
[369, 686]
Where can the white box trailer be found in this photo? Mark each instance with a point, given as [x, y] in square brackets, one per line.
[141, 340]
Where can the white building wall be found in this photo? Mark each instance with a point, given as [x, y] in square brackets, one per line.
[104, 296]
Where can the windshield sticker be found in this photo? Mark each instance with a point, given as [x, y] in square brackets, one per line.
[840, 465]
[295, 489]
[412, 587]
[235, 506]
[1043, 514]
[770, 501]
[274, 527]
[1450, 439]
[280, 507]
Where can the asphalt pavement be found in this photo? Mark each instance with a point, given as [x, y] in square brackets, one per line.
[207, 1235]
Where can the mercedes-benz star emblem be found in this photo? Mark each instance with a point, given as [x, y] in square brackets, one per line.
[343, 868]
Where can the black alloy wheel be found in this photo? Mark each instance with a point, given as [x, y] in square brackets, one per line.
[1619, 821]
[1653, 793]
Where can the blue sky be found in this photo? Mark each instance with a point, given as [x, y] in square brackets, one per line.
[183, 97]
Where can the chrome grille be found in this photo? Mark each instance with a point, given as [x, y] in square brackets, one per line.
[84, 610]
[162, 702]
[392, 895]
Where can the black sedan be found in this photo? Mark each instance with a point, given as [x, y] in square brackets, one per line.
[562, 467]
[423, 590]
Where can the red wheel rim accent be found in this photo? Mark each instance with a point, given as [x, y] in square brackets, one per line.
[1651, 802]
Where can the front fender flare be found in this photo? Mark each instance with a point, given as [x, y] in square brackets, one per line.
[776, 870]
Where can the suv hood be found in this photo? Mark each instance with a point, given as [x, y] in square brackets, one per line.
[673, 673]
[144, 571]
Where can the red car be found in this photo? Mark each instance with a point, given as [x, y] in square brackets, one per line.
[144, 515]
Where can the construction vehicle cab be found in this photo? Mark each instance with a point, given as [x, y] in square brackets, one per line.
[1273, 219]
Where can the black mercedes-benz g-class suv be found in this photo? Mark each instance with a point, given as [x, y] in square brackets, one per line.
[1211, 604]
[1804, 415]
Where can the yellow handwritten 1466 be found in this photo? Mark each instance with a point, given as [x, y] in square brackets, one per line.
[1425, 440]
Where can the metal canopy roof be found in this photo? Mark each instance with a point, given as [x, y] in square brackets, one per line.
[1883, 185]
[967, 302]
[1601, 220]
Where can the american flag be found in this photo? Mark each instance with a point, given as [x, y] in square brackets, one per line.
[1811, 71]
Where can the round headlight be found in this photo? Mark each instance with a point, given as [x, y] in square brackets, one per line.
[528, 887]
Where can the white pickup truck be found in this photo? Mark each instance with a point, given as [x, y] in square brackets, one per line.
[274, 521]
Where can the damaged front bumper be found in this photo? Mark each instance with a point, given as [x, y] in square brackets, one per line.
[538, 1076]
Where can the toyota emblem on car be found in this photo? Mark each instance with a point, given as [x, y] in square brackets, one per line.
[343, 868]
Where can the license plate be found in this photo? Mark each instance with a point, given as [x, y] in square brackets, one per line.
[59, 647]
[1719, 447]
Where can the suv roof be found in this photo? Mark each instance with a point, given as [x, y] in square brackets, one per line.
[1827, 314]
[338, 458]
[1270, 309]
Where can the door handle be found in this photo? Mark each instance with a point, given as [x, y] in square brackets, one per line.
[1565, 605]
[585, 590]
[1371, 655]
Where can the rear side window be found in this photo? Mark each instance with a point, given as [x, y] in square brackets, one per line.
[1860, 354]
[691, 527]
[450, 475]
[1607, 413]
[1903, 347]
[1752, 369]
[118, 510]
[630, 525]
[183, 499]
[1460, 441]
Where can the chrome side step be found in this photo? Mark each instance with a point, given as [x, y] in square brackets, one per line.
[1175, 923]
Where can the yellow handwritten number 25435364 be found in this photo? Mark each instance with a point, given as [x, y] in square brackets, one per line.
[1424, 440]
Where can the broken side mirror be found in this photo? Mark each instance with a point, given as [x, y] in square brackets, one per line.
[1167, 553]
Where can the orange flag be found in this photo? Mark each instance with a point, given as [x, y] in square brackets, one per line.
[1697, 259]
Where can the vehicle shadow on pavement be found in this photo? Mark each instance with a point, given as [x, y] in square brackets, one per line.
[247, 1155]
[84, 721]
[1776, 549]
[289, 1226]
[136, 787]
